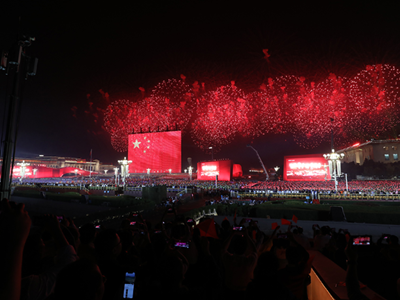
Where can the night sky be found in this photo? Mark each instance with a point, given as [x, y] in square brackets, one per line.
[85, 46]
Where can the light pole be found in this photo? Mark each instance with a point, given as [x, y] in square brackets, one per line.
[334, 165]
[105, 172]
[326, 171]
[148, 171]
[116, 175]
[76, 172]
[190, 172]
[34, 172]
[170, 170]
[22, 169]
[124, 168]
[212, 152]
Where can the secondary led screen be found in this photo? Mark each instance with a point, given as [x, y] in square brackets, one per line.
[306, 167]
[209, 169]
[157, 151]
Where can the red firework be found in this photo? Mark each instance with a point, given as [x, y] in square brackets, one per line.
[375, 92]
[173, 100]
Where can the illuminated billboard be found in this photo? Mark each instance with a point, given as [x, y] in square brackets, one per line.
[209, 169]
[157, 151]
[305, 167]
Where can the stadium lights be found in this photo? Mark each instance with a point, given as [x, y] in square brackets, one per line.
[334, 165]
[276, 169]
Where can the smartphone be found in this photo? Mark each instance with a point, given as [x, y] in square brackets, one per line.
[60, 218]
[182, 245]
[129, 285]
[282, 236]
[363, 240]
[97, 226]
[238, 228]
[386, 236]
[132, 223]
[135, 215]
[189, 221]
[248, 220]
[158, 231]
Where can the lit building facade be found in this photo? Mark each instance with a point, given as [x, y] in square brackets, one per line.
[385, 151]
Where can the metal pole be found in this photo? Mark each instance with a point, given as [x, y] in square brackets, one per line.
[334, 174]
[347, 186]
[9, 143]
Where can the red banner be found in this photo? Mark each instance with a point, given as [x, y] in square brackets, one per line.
[305, 168]
[209, 169]
[157, 151]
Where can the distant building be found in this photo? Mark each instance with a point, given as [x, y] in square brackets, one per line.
[58, 162]
[385, 151]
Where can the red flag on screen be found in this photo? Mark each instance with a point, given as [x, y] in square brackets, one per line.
[285, 222]
[157, 151]
[274, 225]
[294, 219]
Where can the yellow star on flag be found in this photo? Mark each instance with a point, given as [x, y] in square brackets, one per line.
[136, 144]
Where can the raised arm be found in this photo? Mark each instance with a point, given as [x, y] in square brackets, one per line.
[14, 230]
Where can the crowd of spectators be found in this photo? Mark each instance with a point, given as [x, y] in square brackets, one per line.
[363, 187]
[52, 259]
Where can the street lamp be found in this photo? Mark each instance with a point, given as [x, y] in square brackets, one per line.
[334, 165]
[124, 168]
[22, 169]
[212, 152]
[116, 175]
[190, 172]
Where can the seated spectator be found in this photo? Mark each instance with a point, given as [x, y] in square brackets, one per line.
[39, 286]
[239, 260]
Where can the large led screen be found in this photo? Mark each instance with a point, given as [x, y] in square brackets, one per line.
[306, 167]
[209, 169]
[157, 151]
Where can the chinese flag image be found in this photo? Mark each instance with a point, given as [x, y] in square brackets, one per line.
[157, 151]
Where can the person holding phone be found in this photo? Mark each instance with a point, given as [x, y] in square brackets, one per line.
[239, 258]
